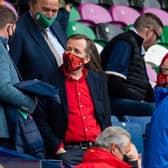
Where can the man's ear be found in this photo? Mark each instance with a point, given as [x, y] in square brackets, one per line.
[87, 59]
[9, 28]
[113, 148]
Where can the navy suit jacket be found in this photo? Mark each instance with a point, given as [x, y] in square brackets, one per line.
[52, 118]
[30, 51]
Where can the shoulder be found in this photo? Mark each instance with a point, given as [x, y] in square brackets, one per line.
[97, 75]
[23, 19]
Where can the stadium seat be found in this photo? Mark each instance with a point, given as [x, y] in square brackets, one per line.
[135, 131]
[140, 4]
[94, 13]
[151, 4]
[78, 2]
[142, 120]
[124, 14]
[74, 15]
[155, 54]
[106, 31]
[164, 4]
[114, 2]
[152, 75]
[99, 47]
[137, 4]
[163, 15]
[79, 28]
[10, 6]
[10, 158]
[164, 40]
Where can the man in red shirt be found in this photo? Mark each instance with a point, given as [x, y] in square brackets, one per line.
[72, 126]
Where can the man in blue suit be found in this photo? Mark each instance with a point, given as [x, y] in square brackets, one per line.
[38, 44]
[9, 95]
[71, 127]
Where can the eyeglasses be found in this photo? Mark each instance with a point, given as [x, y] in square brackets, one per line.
[157, 35]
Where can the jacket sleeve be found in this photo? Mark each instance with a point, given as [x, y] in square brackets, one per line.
[8, 93]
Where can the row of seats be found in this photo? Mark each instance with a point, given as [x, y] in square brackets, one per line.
[91, 13]
[103, 32]
[138, 4]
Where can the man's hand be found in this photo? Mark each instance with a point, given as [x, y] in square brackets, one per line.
[133, 155]
[61, 150]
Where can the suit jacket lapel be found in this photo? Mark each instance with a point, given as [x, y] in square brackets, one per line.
[62, 90]
[36, 33]
[92, 86]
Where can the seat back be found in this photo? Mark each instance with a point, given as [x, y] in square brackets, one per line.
[10, 6]
[94, 13]
[120, 2]
[163, 15]
[79, 28]
[164, 4]
[151, 3]
[106, 31]
[124, 14]
[138, 4]
[155, 54]
[78, 2]
[164, 40]
[152, 75]
[74, 15]
[135, 131]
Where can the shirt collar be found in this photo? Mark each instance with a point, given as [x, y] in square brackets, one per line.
[69, 77]
[142, 47]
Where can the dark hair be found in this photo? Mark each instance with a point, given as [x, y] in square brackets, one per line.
[91, 50]
[6, 16]
[148, 20]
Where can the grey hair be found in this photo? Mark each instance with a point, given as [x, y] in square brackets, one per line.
[112, 135]
[148, 20]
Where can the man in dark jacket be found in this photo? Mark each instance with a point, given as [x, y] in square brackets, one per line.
[123, 62]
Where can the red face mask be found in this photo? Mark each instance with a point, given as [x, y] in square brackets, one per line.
[162, 79]
[72, 62]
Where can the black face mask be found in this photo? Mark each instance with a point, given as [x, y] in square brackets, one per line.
[10, 34]
[10, 39]
[132, 163]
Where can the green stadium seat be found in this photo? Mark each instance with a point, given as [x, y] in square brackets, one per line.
[79, 28]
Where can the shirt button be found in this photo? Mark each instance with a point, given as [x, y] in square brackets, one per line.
[86, 129]
[79, 94]
[84, 117]
[81, 106]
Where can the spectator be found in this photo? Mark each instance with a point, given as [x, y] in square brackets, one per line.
[157, 137]
[9, 95]
[112, 146]
[71, 127]
[38, 44]
[123, 62]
